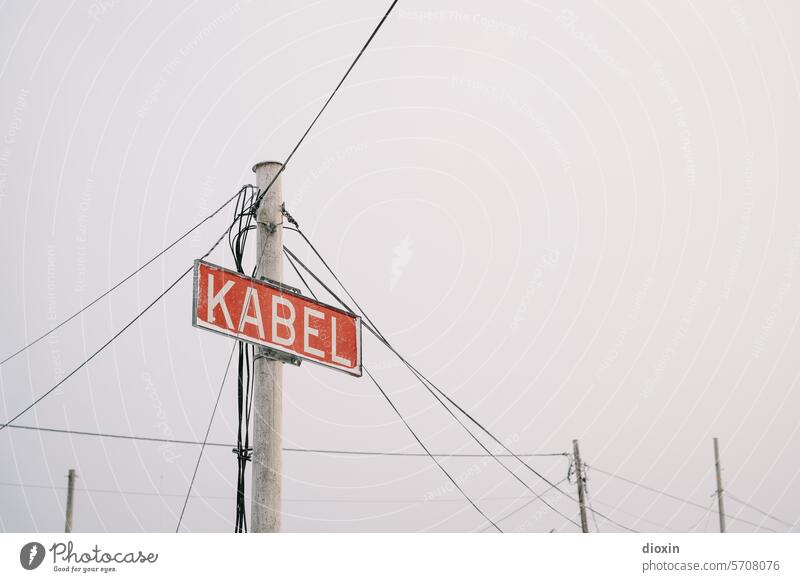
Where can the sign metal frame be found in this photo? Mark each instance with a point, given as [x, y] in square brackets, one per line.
[283, 290]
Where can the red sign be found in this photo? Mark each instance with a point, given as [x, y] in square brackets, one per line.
[267, 314]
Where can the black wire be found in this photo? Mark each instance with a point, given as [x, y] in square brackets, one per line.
[705, 516]
[754, 508]
[341, 81]
[237, 244]
[116, 335]
[126, 278]
[228, 497]
[434, 459]
[523, 506]
[425, 382]
[291, 255]
[218, 210]
[640, 518]
[240, 451]
[286, 449]
[243, 449]
[243, 219]
[675, 497]
[116, 436]
[96, 352]
[291, 262]
[477, 440]
[255, 201]
[319, 256]
[552, 485]
[400, 454]
[112, 491]
[264, 191]
[254, 204]
[458, 407]
[205, 440]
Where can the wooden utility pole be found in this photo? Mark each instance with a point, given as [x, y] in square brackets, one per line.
[70, 498]
[719, 487]
[579, 479]
[268, 372]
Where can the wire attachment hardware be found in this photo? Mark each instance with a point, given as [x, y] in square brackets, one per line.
[271, 354]
[243, 454]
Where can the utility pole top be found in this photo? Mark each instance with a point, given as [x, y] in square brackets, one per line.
[267, 163]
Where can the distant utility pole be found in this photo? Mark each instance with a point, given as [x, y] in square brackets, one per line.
[579, 479]
[719, 487]
[70, 498]
[268, 371]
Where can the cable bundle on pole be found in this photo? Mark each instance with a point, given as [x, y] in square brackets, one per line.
[243, 220]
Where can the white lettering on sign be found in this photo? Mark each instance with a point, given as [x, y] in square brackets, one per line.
[287, 322]
[251, 298]
[334, 356]
[309, 331]
[218, 299]
[268, 314]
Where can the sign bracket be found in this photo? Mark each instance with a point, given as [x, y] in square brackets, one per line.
[282, 286]
[270, 354]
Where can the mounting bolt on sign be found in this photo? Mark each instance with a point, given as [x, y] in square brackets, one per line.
[269, 314]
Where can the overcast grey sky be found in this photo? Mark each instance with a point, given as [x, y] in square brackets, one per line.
[579, 219]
